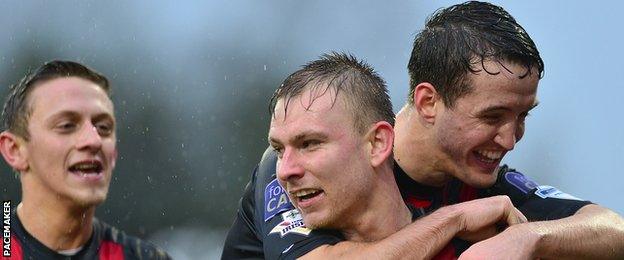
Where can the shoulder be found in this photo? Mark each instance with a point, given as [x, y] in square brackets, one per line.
[536, 201]
[114, 240]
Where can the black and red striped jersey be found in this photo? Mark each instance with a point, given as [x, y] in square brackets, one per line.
[105, 243]
[536, 202]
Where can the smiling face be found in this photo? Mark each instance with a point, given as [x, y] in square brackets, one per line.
[71, 151]
[485, 124]
[322, 160]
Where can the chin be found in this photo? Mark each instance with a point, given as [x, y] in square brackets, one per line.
[313, 223]
[90, 200]
[479, 179]
[317, 222]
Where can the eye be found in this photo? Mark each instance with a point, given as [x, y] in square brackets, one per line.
[492, 119]
[104, 128]
[279, 151]
[65, 126]
[310, 143]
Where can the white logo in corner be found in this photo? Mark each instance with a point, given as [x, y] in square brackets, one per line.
[292, 223]
[545, 191]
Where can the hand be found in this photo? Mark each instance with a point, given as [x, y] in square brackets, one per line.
[513, 243]
[478, 218]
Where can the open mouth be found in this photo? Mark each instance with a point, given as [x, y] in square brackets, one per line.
[488, 159]
[87, 168]
[305, 197]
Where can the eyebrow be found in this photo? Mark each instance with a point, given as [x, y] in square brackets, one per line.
[74, 115]
[299, 137]
[504, 108]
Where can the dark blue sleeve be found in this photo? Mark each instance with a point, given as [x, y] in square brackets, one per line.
[536, 202]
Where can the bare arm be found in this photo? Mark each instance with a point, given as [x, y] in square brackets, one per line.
[428, 235]
[593, 232]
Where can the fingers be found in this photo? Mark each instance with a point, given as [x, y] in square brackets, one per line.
[481, 213]
[478, 235]
[515, 217]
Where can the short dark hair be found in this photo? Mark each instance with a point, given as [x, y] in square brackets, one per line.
[459, 38]
[16, 108]
[365, 91]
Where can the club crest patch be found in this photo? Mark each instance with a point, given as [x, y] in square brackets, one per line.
[545, 191]
[275, 200]
[292, 223]
[520, 181]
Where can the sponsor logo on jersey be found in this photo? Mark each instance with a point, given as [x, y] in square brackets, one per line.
[292, 223]
[545, 191]
[275, 200]
[520, 181]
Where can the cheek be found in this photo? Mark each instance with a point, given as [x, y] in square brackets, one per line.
[519, 132]
[110, 149]
[458, 139]
[45, 152]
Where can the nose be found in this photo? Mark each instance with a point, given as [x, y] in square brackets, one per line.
[507, 136]
[289, 166]
[89, 138]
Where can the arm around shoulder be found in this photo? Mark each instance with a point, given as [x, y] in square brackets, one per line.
[593, 232]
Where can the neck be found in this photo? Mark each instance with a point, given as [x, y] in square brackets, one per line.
[415, 150]
[54, 223]
[374, 221]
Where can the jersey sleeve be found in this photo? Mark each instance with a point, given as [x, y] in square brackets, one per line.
[267, 224]
[242, 241]
[536, 202]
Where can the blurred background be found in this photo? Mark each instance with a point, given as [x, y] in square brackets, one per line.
[192, 82]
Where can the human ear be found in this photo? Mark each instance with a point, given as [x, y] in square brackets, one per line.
[12, 148]
[381, 137]
[425, 100]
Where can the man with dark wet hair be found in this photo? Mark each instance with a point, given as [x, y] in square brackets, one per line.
[474, 73]
[59, 136]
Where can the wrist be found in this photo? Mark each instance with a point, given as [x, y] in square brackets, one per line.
[533, 236]
[452, 217]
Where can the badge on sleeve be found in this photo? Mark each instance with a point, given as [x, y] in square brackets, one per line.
[292, 223]
[545, 191]
[275, 200]
[520, 181]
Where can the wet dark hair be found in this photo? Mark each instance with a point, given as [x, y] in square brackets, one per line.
[365, 91]
[458, 40]
[16, 108]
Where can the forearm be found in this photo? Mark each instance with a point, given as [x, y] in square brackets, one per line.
[593, 232]
[422, 239]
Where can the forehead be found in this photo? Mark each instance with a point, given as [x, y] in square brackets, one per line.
[68, 93]
[500, 81]
[310, 112]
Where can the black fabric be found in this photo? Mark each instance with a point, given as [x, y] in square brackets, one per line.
[133, 248]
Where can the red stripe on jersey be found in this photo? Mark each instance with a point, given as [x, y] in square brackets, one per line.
[111, 250]
[418, 203]
[448, 252]
[16, 250]
[467, 193]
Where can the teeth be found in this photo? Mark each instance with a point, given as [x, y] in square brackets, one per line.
[302, 193]
[81, 167]
[492, 155]
[86, 167]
